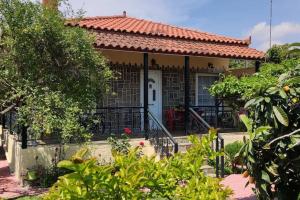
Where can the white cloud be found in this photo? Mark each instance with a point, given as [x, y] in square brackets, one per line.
[170, 11]
[282, 33]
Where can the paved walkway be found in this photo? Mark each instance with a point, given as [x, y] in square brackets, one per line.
[237, 183]
[9, 187]
[234, 136]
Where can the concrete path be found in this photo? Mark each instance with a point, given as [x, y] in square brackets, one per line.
[237, 183]
[9, 186]
[234, 136]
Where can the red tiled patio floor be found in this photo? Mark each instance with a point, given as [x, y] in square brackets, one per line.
[237, 183]
[9, 186]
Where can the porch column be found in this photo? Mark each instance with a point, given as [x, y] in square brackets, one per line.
[24, 137]
[3, 120]
[186, 92]
[146, 119]
[257, 66]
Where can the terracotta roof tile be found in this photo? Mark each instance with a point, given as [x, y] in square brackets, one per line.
[134, 42]
[141, 26]
[127, 33]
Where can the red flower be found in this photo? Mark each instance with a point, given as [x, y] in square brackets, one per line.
[142, 143]
[128, 131]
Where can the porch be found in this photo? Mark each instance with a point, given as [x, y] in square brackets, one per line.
[170, 85]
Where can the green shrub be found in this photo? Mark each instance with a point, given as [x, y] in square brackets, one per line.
[232, 161]
[131, 176]
[237, 91]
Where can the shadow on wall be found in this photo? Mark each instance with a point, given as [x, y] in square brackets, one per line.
[44, 155]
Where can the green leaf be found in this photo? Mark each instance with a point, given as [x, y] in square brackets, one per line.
[267, 99]
[246, 122]
[272, 90]
[32, 175]
[281, 116]
[282, 94]
[283, 77]
[294, 80]
[249, 103]
[273, 169]
[265, 176]
[66, 164]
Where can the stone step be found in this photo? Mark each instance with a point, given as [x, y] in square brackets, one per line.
[208, 169]
[213, 175]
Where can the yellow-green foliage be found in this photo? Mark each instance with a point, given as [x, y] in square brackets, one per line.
[135, 177]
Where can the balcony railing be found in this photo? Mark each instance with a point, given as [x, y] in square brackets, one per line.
[113, 120]
[217, 116]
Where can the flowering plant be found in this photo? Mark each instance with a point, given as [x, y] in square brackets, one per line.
[120, 144]
[127, 131]
[142, 144]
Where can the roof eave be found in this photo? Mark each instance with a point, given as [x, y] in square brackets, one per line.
[260, 58]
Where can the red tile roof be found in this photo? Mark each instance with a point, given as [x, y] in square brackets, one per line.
[122, 32]
[114, 40]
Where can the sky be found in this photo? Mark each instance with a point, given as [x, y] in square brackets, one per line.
[235, 18]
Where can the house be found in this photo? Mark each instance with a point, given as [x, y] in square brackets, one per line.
[160, 91]
[162, 66]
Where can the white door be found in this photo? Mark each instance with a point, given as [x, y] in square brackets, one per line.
[154, 92]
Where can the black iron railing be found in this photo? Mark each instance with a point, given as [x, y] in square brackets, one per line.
[106, 121]
[197, 125]
[161, 138]
[220, 162]
[217, 116]
[219, 141]
[113, 120]
[11, 127]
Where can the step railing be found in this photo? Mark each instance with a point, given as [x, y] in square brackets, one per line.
[161, 138]
[219, 141]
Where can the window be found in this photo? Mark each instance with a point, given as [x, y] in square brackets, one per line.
[203, 83]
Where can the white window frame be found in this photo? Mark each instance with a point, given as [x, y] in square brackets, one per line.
[196, 85]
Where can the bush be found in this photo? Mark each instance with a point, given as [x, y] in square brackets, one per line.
[44, 177]
[272, 151]
[232, 160]
[133, 177]
[237, 91]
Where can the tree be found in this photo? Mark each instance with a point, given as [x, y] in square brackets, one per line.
[50, 71]
[272, 151]
[294, 50]
[278, 53]
[237, 91]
